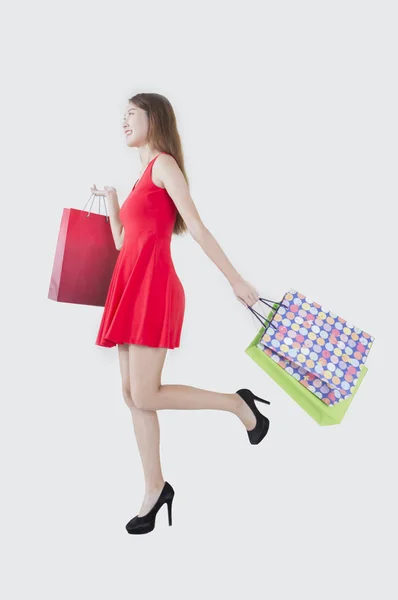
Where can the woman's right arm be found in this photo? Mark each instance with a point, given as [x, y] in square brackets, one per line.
[114, 210]
[121, 239]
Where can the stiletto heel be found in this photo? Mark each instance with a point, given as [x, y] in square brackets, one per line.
[146, 523]
[169, 503]
[261, 399]
[260, 430]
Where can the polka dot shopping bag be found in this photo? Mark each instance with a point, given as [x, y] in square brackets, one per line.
[316, 356]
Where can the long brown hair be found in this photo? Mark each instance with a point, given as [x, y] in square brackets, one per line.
[163, 135]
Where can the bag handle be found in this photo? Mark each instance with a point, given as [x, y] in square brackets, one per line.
[99, 205]
[258, 315]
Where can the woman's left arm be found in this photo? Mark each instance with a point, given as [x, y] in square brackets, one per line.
[175, 183]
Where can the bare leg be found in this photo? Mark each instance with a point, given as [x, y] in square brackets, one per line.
[143, 393]
[148, 393]
[147, 433]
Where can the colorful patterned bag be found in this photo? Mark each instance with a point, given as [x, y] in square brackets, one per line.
[317, 357]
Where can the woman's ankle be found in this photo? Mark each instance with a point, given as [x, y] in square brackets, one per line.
[154, 486]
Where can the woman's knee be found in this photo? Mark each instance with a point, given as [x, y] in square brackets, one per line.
[142, 399]
[128, 397]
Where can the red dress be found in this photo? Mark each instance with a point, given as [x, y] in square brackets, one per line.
[146, 301]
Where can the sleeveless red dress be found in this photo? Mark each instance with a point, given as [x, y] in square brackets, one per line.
[146, 301]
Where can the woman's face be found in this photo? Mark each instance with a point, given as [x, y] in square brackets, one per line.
[135, 126]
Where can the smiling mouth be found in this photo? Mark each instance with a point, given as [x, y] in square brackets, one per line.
[128, 132]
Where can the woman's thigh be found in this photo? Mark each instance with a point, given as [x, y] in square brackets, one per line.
[123, 350]
[145, 369]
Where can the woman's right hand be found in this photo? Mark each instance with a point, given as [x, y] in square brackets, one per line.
[107, 191]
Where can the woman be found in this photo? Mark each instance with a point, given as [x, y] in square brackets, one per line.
[145, 304]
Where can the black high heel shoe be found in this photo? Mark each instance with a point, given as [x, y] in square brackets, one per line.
[146, 523]
[261, 428]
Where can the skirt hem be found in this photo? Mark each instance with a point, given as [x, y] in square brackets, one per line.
[108, 343]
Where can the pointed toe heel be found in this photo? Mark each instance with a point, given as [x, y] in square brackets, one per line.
[146, 523]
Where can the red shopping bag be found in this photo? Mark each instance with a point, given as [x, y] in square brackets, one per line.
[85, 258]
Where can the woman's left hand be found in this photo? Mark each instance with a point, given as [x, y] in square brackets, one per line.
[245, 292]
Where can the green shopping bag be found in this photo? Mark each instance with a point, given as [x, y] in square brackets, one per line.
[318, 410]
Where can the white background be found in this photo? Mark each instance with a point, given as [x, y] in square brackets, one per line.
[288, 117]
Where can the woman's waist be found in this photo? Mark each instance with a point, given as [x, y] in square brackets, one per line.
[133, 235]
